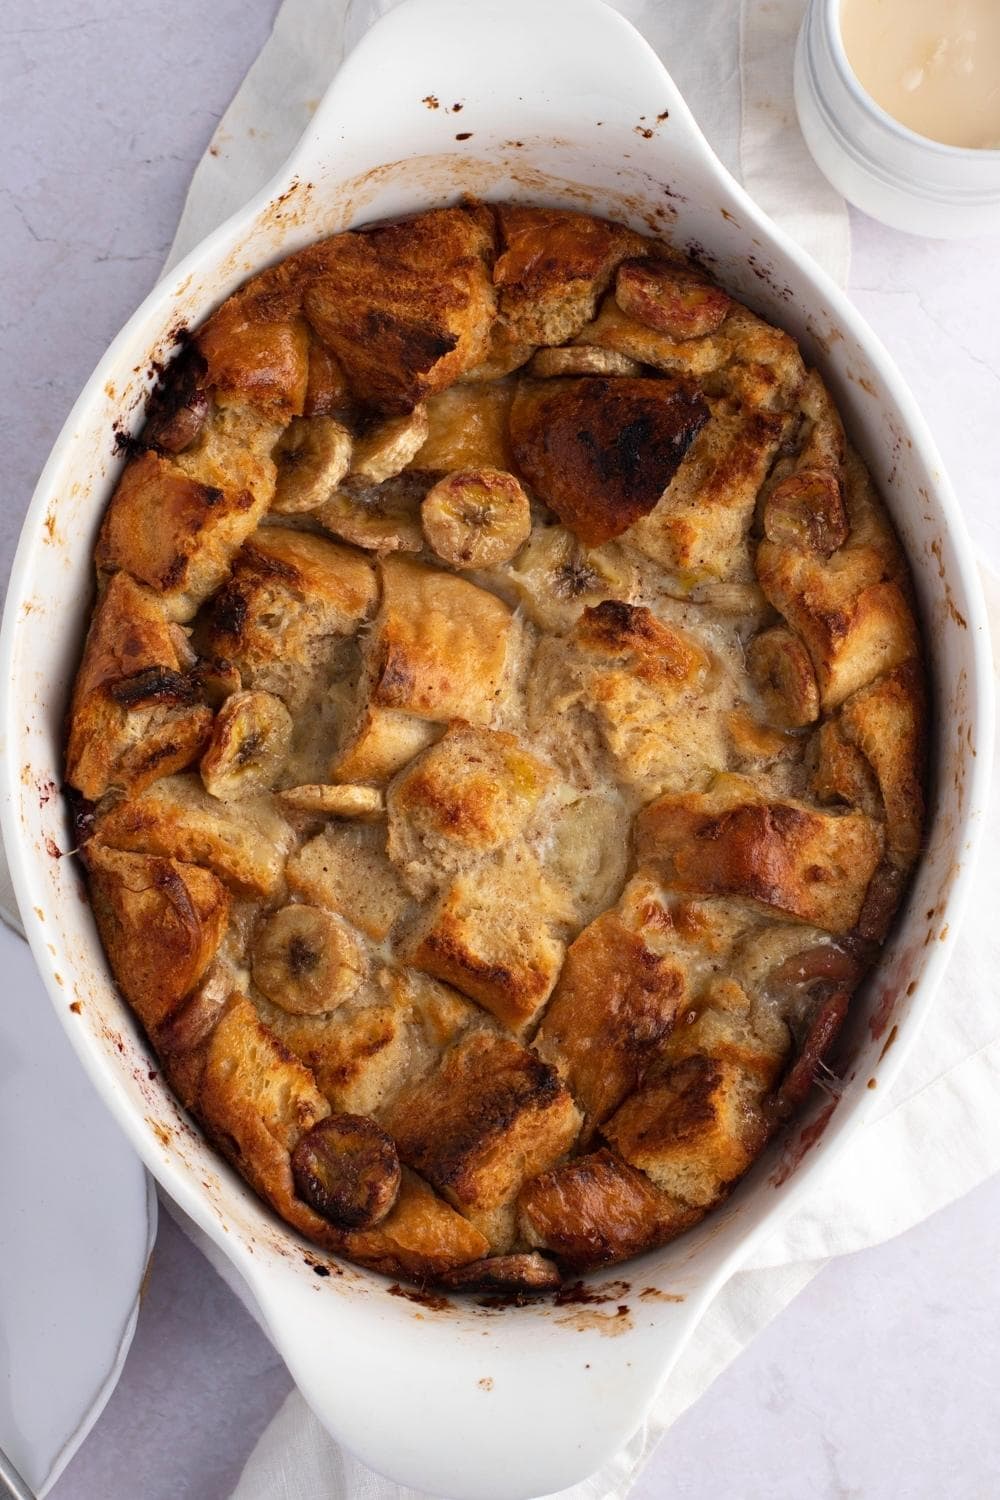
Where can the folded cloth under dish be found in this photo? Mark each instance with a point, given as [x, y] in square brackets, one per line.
[737, 80]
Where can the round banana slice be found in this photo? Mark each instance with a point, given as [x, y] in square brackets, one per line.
[582, 359]
[806, 510]
[347, 1169]
[556, 577]
[251, 734]
[364, 802]
[386, 449]
[306, 960]
[312, 456]
[783, 674]
[380, 517]
[671, 299]
[476, 518]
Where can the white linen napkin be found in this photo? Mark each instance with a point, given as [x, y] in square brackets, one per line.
[735, 73]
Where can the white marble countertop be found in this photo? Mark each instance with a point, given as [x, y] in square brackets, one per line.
[880, 1381]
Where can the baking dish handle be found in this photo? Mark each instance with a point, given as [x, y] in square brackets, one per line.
[437, 76]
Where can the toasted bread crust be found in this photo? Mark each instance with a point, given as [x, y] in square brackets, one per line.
[493, 879]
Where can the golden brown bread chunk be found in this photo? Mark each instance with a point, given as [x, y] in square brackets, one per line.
[391, 1032]
[468, 795]
[244, 843]
[437, 651]
[173, 533]
[290, 599]
[850, 608]
[602, 452]
[598, 1210]
[693, 1130]
[161, 922]
[256, 345]
[673, 299]
[552, 268]
[135, 713]
[647, 684]
[783, 854]
[258, 1101]
[745, 361]
[438, 645]
[406, 307]
[615, 1002]
[491, 1116]
[421, 1239]
[490, 934]
[700, 525]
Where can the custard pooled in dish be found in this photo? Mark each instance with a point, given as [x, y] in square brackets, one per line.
[499, 739]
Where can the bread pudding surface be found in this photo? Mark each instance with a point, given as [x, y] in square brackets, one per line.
[498, 744]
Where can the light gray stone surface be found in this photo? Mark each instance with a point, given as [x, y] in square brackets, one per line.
[881, 1380]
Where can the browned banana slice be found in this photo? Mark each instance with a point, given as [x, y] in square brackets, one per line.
[363, 802]
[386, 449]
[312, 456]
[306, 960]
[380, 517]
[250, 739]
[672, 299]
[807, 511]
[529, 1274]
[476, 518]
[782, 673]
[347, 1169]
[582, 359]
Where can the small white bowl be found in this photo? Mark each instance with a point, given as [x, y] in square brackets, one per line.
[904, 179]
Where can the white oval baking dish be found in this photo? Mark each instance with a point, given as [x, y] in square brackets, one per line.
[561, 102]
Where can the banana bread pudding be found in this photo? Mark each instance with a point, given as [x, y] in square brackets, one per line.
[498, 745]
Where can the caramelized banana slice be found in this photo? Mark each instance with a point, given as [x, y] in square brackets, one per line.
[379, 517]
[476, 518]
[306, 960]
[364, 802]
[782, 673]
[386, 449]
[347, 1169]
[807, 511]
[525, 1275]
[672, 299]
[250, 739]
[312, 456]
[582, 359]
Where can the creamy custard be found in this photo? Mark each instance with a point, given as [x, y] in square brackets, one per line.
[934, 65]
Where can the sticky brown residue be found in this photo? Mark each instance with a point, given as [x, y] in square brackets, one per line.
[76, 1006]
[160, 1131]
[50, 526]
[663, 115]
[577, 1293]
[464, 135]
[803, 1144]
[590, 1320]
[431, 101]
[655, 1294]
[873, 1083]
[486, 1384]
[730, 218]
[52, 849]
[644, 131]
[432, 1301]
[888, 1042]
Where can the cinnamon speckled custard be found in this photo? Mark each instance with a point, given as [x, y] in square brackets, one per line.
[498, 745]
